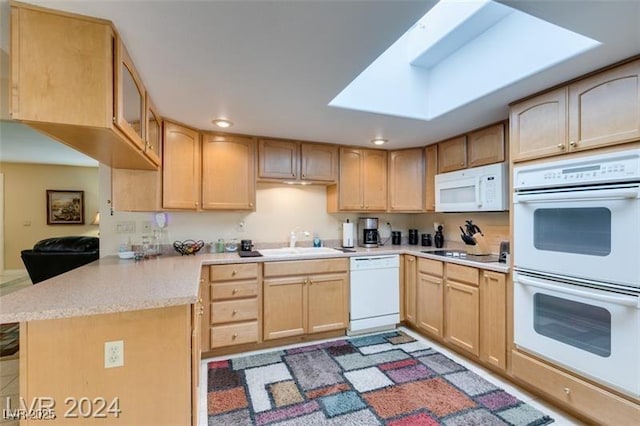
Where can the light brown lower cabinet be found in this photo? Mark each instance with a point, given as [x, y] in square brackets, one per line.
[232, 307]
[410, 283]
[493, 319]
[302, 297]
[600, 405]
[461, 316]
[429, 297]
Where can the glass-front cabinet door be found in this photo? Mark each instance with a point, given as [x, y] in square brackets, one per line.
[129, 98]
[153, 145]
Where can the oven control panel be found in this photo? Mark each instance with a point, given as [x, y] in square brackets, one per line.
[603, 168]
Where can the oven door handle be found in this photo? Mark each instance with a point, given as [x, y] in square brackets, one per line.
[619, 300]
[610, 194]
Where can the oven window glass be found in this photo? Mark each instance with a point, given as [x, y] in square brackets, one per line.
[583, 326]
[573, 230]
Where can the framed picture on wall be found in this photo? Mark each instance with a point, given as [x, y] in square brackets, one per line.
[65, 207]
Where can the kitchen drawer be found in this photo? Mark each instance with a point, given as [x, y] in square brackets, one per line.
[234, 310]
[234, 334]
[429, 266]
[465, 274]
[305, 267]
[583, 397]
[233, 290]
[236, 271]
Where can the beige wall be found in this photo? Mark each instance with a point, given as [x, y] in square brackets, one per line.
[280, 209]
[25, 221]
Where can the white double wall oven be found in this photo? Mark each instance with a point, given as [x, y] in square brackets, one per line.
[577, 265]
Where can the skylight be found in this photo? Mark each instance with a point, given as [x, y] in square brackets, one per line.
[461, 50]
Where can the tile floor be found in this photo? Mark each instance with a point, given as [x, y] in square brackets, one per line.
[10, 282]
[561, 418]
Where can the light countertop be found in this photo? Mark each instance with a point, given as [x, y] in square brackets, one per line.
[112, 285]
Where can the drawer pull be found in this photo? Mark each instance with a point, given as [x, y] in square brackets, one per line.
[234, 291]
[567, 391]
[235, 336]
[235, 311]
[233, 273]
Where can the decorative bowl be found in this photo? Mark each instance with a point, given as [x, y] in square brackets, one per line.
[188, 246]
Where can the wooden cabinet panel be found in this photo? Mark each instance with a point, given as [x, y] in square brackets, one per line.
[599, 405]
[430, 266]
[429, 311]
[233, 334]
[363, 180]
[181, 167]
[153, 133]
[131, 96]
[406, 180]
[228, 172]
[538, 126]
[462, 315]
[375, 180]
[410, 283]
[64, 83]
[328, 303]
[233, 290]
[236, 271]
[234, 310]
[465, 274]
[305, 297]
[319, 162]
[233, 307]
[431, 170]
[486, 146]
[285, 307]
[452, 154]
[351, 190]
[136, 190]
[604, 109]
[278, 159]
[493, 319]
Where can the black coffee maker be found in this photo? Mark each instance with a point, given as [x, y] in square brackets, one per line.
[368, 235]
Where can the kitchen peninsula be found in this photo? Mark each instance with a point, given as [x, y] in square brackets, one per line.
[153, 307]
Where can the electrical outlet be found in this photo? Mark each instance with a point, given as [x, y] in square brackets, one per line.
[146, 226]
[126, 227]
[114, 354]
[240, 226]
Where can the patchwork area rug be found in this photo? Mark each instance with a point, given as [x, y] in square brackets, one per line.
[382, 379]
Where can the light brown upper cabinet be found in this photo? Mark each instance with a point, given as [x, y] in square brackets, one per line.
[181, 173]
[477, 148]
[431, 169]
[228, 172]
[452, 154]
[486, 146]
[153, 134]
[283, 160]
[406, 180]
[64, 83]
[599, 110]
[363, 181]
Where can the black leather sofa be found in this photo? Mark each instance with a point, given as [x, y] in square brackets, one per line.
[54, 256]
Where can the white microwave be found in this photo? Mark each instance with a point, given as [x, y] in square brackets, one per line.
[473, 190]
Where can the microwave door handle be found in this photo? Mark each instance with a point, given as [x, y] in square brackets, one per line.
[611, 194]
[478, 192]
[619, 300]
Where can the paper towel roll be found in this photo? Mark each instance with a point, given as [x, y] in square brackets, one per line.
[348, 234]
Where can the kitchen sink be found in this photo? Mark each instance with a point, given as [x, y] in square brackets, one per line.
[297, 251]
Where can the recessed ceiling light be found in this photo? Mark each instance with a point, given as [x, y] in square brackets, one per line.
[222, 122]
[378, 141]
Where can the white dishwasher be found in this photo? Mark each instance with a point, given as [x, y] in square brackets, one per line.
[375, 293]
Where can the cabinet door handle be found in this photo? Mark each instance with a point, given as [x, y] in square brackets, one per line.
[235, 336]
[567, 391]
[573, 144]
[233, 273]
[561, 146]
[234, 291]
[235, 311]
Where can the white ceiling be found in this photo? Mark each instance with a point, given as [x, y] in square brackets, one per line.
[273, 66]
